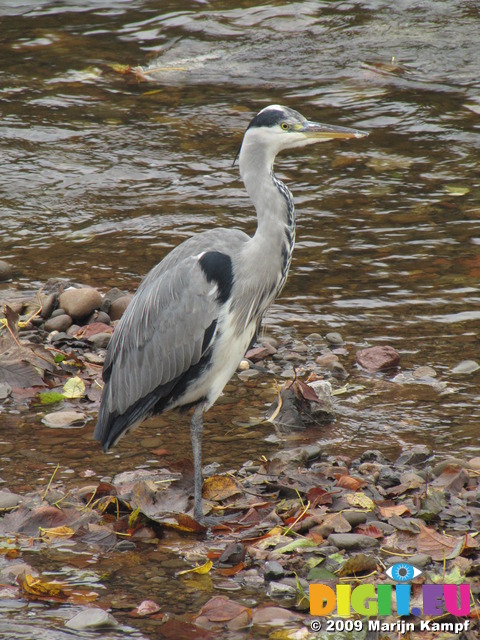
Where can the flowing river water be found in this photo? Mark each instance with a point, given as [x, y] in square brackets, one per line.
[103, 170]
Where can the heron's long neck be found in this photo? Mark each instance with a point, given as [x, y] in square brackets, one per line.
[275, 235]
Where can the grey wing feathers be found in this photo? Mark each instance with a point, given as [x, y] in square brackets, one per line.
[163, 334]
[160, 335]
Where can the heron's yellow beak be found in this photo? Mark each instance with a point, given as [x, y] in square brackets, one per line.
[315, 130]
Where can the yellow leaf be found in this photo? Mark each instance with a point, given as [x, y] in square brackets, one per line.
[133, 518]
[37, 587]
[360, 500]
[56, 532]
[74, 388]
[204, 568]
[219, 488]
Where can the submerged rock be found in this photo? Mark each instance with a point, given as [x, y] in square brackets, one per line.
[91, 618]
[379, 358]
[6, 270]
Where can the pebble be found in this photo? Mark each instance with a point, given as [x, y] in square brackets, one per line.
[273, 571]
[466, 366]
[280, 590]
[60, 322]
[109, 297]
[99, 316]
[424, 372]
[9, 500]
[57, 312]
[64, 419]
[418, 454]
[384, 527]
[48, 303]
[379, 358]
[6, 271]
[118, 306]
[352, 541]
[91, 618]
[354, 518]
[5, 390]
[388, 477]
[80, 303]
[100, 340]
[373, 455]
[334, 338]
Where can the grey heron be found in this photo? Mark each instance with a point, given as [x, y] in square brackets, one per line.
[195, 313]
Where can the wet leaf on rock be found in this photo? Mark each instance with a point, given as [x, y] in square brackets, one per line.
[219, 488]
[74, 388]
[56, 532]
[220, 609]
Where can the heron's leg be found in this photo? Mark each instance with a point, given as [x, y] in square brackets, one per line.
[196, 428]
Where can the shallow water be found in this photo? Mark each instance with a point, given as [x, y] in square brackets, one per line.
[102, 173]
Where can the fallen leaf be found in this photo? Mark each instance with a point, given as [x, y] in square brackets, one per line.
[56, 532]
[360, 500]
[231, 571]
[369, 530]
[349, 482]
[393, 510]
[201, 570]
[74, 388]
[437, 545]
[358, 563]
[219, 488]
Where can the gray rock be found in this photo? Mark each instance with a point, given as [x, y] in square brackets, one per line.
[100, 340]
[118, 306]
[354, 518]
[91, 618]
[48, 303]
[418, 454]
[9, 500]
[6, 271]
[109, 297]
[466, 366]
[352, 541]
[388, 477]
[384, 527]
[5, 390]
[60, 322]
[273, 571]
[334, 338]
[99, 316]
[280, 590]
[373, 455]
[57, 312]
[80, 303]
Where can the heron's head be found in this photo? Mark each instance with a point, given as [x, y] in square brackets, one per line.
[276, 128]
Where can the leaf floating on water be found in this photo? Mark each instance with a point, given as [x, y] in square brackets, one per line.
[201, 570]
[454, 190]
[39, 588]
[74, 388]
[64, 420]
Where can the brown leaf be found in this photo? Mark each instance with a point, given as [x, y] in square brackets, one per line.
[317, 495]
[395, 509]
[369, 530]
[173, 629]
[219, 488]
[437, 545]
[358, 563]
[231, 571]
[349, 482]
[222, 609]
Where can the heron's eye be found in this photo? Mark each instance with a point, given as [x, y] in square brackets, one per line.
[285, 126]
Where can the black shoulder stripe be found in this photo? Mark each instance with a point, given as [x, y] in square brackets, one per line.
[217, 268]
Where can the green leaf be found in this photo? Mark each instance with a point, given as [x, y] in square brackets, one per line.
[299, 543]
[50, 397]
[59, 357]
[319, 574]
[74, 388]
[303, 600]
